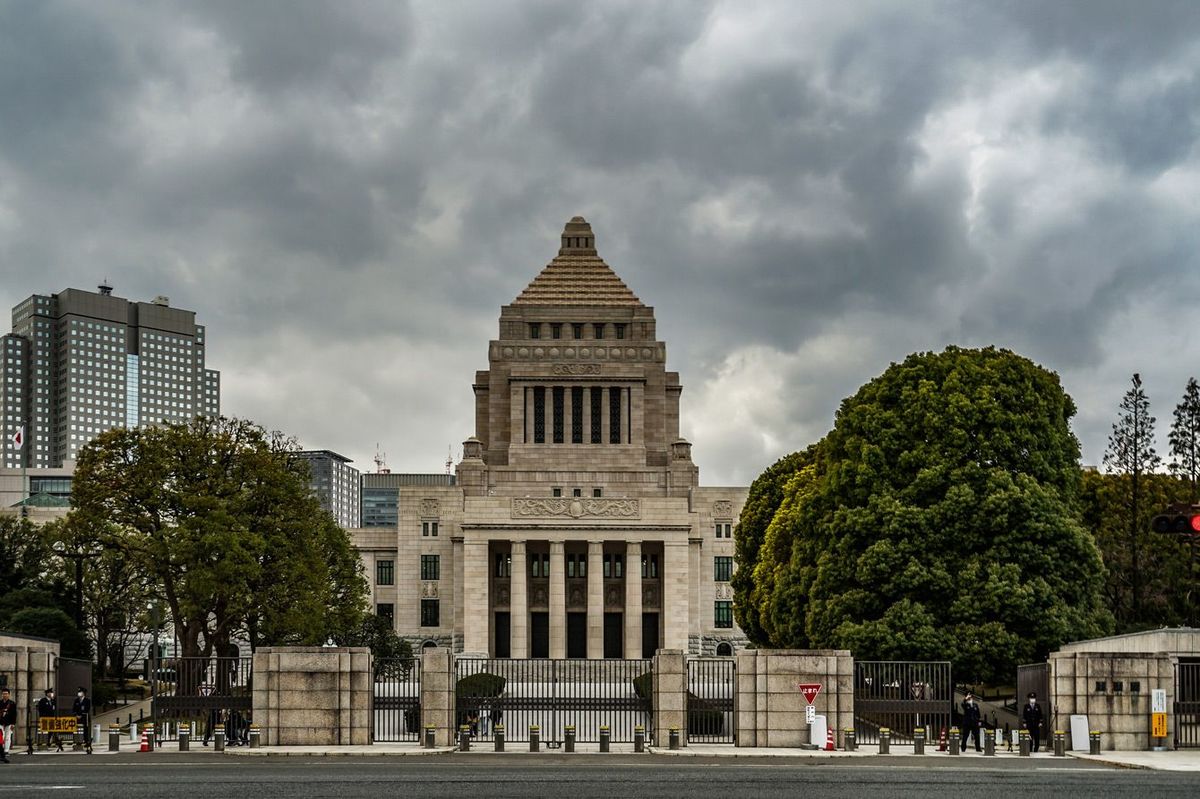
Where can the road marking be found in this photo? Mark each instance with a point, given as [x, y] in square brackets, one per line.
[40, 787]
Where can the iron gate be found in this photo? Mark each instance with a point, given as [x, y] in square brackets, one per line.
[901, 695]
[553, 694]
[710, 700]
[209, 692]
[397, 694]
[1035, 678]
[1187, 705]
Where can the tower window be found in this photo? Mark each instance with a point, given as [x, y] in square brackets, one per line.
[598, 330]
[577, 330]
[556, 330]
[559, 398]
[614, 416]
[619, 329]
[597, 410]
[535, 329]
[576, 414]
[539, 414]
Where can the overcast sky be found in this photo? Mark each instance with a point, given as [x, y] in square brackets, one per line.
[347, 192]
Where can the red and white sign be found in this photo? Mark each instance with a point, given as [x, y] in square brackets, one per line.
[810, 690]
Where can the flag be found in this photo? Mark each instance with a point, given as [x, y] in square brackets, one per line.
[18, 438]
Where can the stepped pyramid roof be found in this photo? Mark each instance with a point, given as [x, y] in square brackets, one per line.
[578, 276]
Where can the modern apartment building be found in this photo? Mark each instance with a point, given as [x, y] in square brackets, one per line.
[335, 483]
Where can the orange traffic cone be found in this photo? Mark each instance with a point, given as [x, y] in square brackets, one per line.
[942, 741]
[829, 744]
[145, 747]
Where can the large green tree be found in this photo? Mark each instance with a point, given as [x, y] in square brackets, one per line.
[218, 517]
[1185, 439]
[938, 520]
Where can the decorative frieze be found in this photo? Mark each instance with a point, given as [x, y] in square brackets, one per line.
[430, 509]
[429, 590]
[575, 369]
[723, 509]
[575, 508]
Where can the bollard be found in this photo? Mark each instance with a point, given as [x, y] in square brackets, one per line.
[851, 740]
[464, 738]
[885, 741]
[955, 741]
[255, 737]
[639, 739]
[114, 738]
[219, 741]
[673, 738]
[77, 738]
[498, 737]
[1060, 743]
[989, 743]
[535, 738]
[150, 738]
[185, 736]
[1094, 742]
[919, 741]
[605, 737]
[1024, 744]
[133, 730]
[430, 737]
[569, 738]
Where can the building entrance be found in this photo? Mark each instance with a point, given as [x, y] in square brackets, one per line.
[649, 634]
[577, 635]
[539, 635]
[503, 647]
[614, 635]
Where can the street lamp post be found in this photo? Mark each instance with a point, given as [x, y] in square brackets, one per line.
[78, 556]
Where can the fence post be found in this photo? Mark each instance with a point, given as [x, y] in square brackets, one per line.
[670, 694]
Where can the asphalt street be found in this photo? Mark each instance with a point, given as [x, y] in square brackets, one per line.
[573, 776]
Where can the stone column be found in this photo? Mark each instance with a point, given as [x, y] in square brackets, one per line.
[595, 600]
[558, 600]
[633, 599]
[516, 414]
[626, 431]
[438, 694]
[670, 695]
[587, 414]
[568, 409]
[456, 545]
[675, 595]
[475, 598]
[518, 600]
[695, 605]
[605, 427]
[530, 435]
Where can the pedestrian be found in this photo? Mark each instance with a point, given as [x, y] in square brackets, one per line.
[8, 721]
[214, 718]
[1008, 736]
[1031, 720]
[47, 708]
[971, 720]
[82, 708]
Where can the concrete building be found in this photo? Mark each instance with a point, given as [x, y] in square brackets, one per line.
[335, 483]
[78, 363]
[578, 526]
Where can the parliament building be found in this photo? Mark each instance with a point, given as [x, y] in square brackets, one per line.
[577, 526]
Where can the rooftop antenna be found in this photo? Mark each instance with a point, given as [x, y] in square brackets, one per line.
[449, 459]
[381, 461]
[105, 288]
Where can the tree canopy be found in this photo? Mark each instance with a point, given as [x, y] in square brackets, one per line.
[218, 518]
[936, 520]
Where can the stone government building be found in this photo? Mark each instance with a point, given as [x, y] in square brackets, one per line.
[577, 527]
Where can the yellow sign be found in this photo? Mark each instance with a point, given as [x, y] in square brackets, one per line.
[1158, 725]
[58, 724]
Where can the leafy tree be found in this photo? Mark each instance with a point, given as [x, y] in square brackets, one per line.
[938, 521]
[55, 624]
[1131, 451]
[392, 655]
[1185, 438]
[763, 500]
[218, 517]
[31, 576]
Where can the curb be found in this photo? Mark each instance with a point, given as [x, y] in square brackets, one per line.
[335, 753]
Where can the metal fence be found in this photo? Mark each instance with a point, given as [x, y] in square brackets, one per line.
[209, 692]
[553, 694]
[1035, 678]
[1187, 705]
[710, 717]
[901, 695]
[397, 713]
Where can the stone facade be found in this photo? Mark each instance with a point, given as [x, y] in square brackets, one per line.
[770, 708]
[28, 667]
[313, 696]
[577, 527]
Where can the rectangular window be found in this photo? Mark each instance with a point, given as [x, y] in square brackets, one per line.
[570, 566]
[597, 410]
[429, 613]
[556, 492]
[577, 492]
[649, 567]
[429, 529]
[385, 610]
[614, 566]
[535, 330]
[576, 414]
[597, 492]
[614, 416]
[556, 330]
[539, 415]
[722, 614]
[576, 565]
[598, 329]
[577, 330]
[724, 530]
[722, 568]
[385, 572]
[503, 565]
[559, 398]
[619, 327]
[430, 567]
[539, 565]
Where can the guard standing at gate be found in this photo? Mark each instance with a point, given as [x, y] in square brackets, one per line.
[1031, 719]
[82, 708]
[47, 707]
[8, 722]
[971, 720]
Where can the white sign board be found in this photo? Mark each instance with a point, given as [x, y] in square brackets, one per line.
[1158, 700]
[810, 714]
[817, 731]
[1079, 734]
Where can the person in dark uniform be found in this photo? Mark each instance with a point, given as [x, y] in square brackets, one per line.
[1031, 720]
[8, 721]
[82, 708]
[47, 707]
[971, 720]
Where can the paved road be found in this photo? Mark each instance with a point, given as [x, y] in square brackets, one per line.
[578, 777]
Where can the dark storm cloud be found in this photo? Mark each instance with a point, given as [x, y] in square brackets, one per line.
[347, 192]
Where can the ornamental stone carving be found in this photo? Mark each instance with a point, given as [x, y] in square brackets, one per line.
[575, 599]
[723, 509]
[575, 369]
[650, 597]
[612, 599]
[430, 509]
[502, 596]
[429, 590]
[575, 508]
[539, 596]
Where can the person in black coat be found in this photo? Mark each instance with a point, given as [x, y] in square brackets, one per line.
[82, 708]
[8, 721]
[1031, 720]
[971, 721]
[47, 707]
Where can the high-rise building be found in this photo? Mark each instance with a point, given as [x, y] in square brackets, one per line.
[335, 484]
[381, 495]
[78, 363]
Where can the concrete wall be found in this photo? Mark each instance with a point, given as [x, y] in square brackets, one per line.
[770, 708]
[30, 665]
[313, 696]
[438, 695]
[1178, 641]
[670, 695]
[1123, 717]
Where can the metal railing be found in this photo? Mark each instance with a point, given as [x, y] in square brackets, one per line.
[1187, 705]
[901, 695]
[212, 693]
[397, 713]
[710, 717]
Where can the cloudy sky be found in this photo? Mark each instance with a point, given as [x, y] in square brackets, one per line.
[347, 192]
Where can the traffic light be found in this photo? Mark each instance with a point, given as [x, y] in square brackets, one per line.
[1177, 523]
